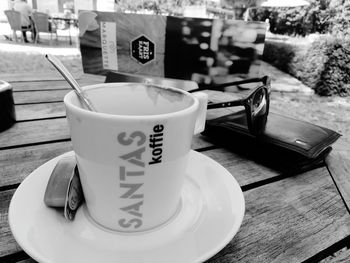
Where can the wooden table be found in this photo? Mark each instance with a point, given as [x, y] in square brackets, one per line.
[299, 218]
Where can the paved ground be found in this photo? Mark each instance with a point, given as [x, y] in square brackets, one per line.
[284, 82]
[44, 38]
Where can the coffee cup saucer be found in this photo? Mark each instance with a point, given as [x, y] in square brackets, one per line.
[209, 215]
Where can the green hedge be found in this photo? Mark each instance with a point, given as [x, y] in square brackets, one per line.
[279, 54]
[324, 65]
[321, 16]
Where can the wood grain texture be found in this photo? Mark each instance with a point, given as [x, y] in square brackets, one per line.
[30, 157]
[54, 129]
[243, 170]
[289, 221]
[285, 221]
[54, 84]
[37, 76]
[26, 160]
[8, 245]
[40, 96]
[35, 132]
[342, 146]
[38, 111]
[339, 167]
[40, 85]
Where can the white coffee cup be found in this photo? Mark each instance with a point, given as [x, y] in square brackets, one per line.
[133, 152]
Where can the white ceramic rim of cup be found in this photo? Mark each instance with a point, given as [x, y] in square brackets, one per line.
[5, 86]
[193, 107]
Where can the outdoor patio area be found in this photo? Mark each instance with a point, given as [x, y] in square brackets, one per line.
[255, 165]
[62, 40]
[290, 96]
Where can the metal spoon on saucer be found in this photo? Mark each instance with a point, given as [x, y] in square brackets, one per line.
[70, 79]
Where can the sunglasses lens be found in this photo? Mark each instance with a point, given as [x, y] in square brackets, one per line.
[259, 110]
[259, 102]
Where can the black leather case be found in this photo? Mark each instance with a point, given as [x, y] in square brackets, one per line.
[286, 144]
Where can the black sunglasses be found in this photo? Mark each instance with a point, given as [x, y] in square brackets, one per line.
[256, 104]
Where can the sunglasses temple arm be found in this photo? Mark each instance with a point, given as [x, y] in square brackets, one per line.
[225, 104]
[219, 87]
[245, 81]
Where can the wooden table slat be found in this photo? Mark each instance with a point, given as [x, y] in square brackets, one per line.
[30, 157]
[29, 77]
[287, 221]
[35, 132]
[39, 85]
[40, 131]
[245, 171]
[40, 96]
[312, 209]
[54, 84]
[26, 160]
[339, 168]
[37, 111]
[8, 244]
[34, 76]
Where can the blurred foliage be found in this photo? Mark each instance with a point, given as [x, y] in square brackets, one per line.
[321, 16]
[280, 54]
[335, 76]
[341, 17]
[297, 20]
[324, 65]
[167, 7]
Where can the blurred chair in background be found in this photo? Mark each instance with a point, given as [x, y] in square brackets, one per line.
[14, 19]
[43, 25]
